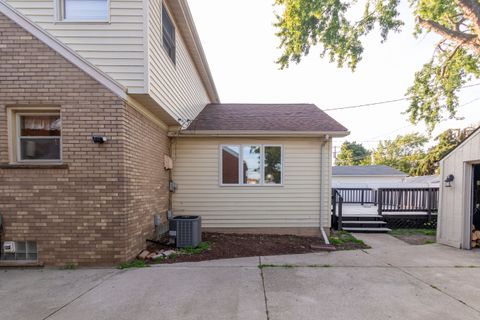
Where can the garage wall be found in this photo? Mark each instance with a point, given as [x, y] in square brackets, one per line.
[295, 204]
[454, 206]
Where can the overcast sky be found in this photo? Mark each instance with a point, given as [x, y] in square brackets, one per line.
[241, 47]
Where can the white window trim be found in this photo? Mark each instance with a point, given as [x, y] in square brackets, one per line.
[240, 167]
[13, 118]
[60, 14]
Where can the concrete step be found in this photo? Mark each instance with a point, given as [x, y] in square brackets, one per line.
[367, 230]
[364, 222]
[363, 217]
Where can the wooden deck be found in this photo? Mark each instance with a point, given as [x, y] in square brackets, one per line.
[371, 210]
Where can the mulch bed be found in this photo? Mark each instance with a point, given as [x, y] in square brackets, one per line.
[229, 245]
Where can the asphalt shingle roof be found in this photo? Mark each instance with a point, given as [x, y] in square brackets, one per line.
[380, 170]
[265, 117]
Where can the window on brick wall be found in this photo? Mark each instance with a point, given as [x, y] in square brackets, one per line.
[85, 10]
[24, 250]
[36, 136]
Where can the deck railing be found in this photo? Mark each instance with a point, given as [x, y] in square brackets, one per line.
[408, 200]
[337, 210]
[408, 203]
[358, 195]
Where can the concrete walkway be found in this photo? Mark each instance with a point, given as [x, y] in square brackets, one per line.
[392, 280]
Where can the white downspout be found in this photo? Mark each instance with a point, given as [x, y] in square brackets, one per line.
[322, 145]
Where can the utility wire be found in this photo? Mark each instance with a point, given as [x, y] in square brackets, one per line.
[408, 126]
[384, 102]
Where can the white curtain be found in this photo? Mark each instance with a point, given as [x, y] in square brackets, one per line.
[42, 123]
[86, 10]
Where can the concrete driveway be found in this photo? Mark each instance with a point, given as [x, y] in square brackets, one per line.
[392, 280]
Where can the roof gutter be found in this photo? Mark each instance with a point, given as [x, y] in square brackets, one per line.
[320, 223]
[256, 133]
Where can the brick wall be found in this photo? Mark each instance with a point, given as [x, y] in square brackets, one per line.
[98, 210]
[146, 178]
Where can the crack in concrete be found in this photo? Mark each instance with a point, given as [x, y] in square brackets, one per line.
[264, 289]
[434, 287]
[82, 294]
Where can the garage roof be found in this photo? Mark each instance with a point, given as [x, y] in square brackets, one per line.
[379, 170]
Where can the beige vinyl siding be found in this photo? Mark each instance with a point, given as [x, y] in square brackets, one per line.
[176, 87]
[117, 48]
[454, 207]
[295, 204]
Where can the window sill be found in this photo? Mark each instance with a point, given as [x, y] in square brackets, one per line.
[83, 22]
[33, 166]
[252, 185]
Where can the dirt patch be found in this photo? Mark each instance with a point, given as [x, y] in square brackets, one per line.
[415, 236]
[417, 239]
[227, 245]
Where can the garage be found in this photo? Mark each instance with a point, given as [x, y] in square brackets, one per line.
[459, 203]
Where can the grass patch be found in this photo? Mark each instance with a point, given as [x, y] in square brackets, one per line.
[70, 266]
[288, 266]
[462, 267]
[410, 232]
[203, 246]
[133, 264]
[159, 259]
[340, 238]
[263, 266]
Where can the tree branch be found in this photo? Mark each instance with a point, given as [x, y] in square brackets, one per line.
[450, 57]
[471, 10]
[469, 40]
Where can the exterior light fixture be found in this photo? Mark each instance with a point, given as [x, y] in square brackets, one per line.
[99, 139]
[448, 180]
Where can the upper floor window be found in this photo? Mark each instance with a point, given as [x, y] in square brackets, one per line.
[168, 33]
[251, 165]
[85, 10]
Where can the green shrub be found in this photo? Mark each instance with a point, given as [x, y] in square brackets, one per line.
[133, 264]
